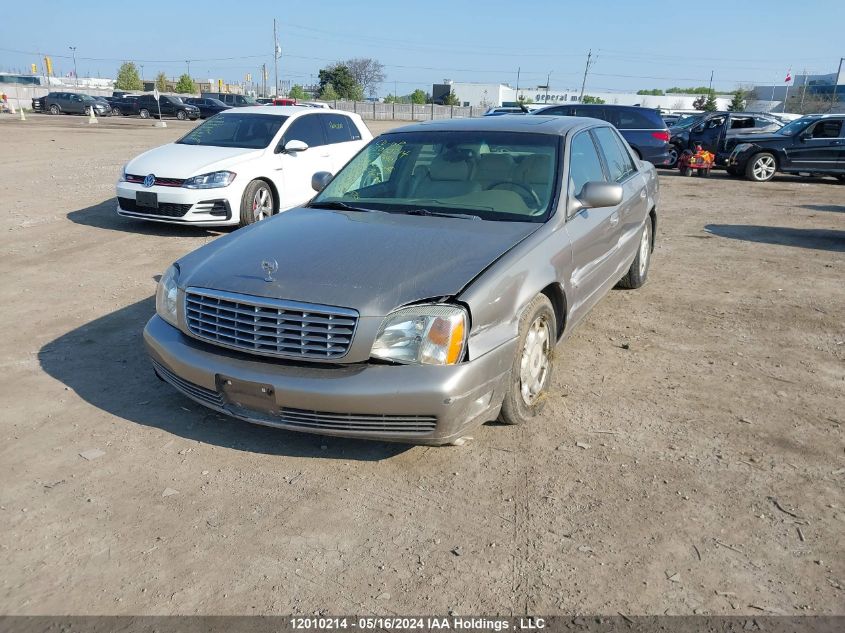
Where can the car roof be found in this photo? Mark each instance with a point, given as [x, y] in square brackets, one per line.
[537, 124]
[288, 111]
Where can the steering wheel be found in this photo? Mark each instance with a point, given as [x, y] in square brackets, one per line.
[532, 199]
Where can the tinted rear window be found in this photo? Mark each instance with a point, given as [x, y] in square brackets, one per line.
[630, 119]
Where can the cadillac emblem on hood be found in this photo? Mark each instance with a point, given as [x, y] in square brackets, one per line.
[269, 266]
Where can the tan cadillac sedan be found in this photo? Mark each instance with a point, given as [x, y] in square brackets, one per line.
[421, 291]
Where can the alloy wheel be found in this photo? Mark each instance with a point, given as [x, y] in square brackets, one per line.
[262, 204]
[764, 168]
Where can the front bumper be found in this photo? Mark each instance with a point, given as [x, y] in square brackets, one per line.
[418, 404]
[178, 205]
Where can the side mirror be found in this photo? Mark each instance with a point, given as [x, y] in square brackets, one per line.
[804, 136]
[596, 195]
[698, 128]
[320, 179]
[291, 147]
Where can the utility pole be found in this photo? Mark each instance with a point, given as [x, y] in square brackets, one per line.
[264, 80]
[75, 75]
[548, 78]
[710, 85]
[142, 76]
[188, 61]
[276, 54]
[586, 70]
[518, 70]
[836, 83]
[803, 92]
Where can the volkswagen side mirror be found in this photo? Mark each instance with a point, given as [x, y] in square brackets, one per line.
[294, 146]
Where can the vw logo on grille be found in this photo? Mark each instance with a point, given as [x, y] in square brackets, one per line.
[150, 180]
[270, 266]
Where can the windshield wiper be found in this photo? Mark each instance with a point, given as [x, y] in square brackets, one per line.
[443, 214]
[337, 204]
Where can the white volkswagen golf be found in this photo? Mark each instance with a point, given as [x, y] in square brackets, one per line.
[240, 166]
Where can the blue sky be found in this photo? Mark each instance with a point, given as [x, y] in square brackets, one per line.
[639, 44]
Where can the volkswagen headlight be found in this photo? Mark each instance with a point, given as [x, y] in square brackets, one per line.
[122, 174]
[424, 334]
[210, 181]
[166, 295]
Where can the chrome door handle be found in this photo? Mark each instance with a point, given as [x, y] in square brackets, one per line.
[642, 193]
[614, 220]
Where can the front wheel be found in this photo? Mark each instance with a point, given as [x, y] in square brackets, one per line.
[144, 113]
[54, 109]
[181, 115]
[638, 272]
[257, 203]
[761, 167]
[531, 372]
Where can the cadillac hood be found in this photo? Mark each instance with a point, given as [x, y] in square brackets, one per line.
[183, 161]
[371, 262]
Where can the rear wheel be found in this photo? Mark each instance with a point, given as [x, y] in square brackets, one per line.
[841, 178]
[181, 115]
[115, 111]
[144, 113]
[638, 272]
[761, 167]
[674, 153]
[54, 109]
[531, 372]
[257, 202]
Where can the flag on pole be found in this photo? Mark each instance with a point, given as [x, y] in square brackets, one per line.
[788, 76]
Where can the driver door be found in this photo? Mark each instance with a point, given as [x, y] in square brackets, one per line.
[297, 167]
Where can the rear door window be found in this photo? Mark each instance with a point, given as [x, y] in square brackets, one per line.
[618, 161]
[562, 111]
[307, 129]
[339, 128]
[633, 120]
[595, 112]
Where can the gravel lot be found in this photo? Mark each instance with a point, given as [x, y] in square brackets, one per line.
[691, 458]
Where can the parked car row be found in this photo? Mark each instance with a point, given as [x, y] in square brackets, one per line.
[419, 294]
[70, 103]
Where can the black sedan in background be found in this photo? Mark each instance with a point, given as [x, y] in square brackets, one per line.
[123, 105]
[208, 107]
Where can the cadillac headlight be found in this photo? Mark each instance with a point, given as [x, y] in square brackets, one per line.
[424, 334]
[210, 181]
[166, 294]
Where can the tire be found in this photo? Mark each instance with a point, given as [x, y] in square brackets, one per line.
[841, 178]
[533, 362]
[116, 112]
[674, 153]
[181, 115]
[144, 113]
[257, 202]
[687, 171]
[54, 109]
[638, 272]
[761, 167]
[88, 111]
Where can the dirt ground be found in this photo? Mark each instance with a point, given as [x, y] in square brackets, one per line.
[691, 458]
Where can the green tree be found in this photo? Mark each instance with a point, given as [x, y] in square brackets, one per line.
[418, 96]
[591, 99]
[185, 85]
[328, 93]
[391, 99]
[710, 104]
[737, 103]
[525, 101]
[342, 81]
[298, 92]
[128, 77]
[654, 92]
[451, 99]
[161, 82]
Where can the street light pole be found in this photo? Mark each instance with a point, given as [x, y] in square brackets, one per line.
[836, 83]
[75, 74]
[548, 78]
[188, 61]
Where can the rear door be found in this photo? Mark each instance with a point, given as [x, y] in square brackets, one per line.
[343, 139]
[592, 232]
[708, 132]
[819, 148]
